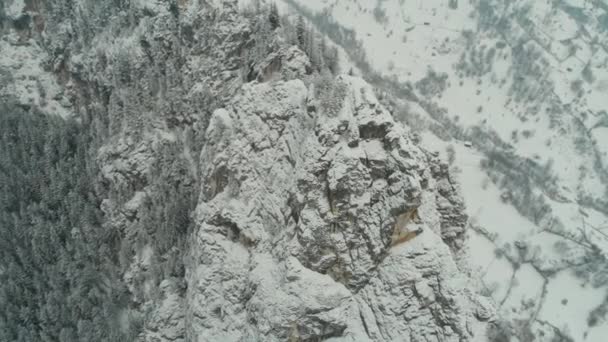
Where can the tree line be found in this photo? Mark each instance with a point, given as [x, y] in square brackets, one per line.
[272, 31]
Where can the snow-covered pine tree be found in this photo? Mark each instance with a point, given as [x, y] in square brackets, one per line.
[301, 32]
[273, 16]
[331, 60]
[312, 50]
[323, 50]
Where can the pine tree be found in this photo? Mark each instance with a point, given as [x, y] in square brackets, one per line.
[323, 52]
[273, 16]
[332, 60]
[44, 167]
[311, 50]
[301, 33]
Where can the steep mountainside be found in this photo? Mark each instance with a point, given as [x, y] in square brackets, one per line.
[512, 93]
[188, 171]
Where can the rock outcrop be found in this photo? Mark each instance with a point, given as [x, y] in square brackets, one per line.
[295, 221]
[450, 206]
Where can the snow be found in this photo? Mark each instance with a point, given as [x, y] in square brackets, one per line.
[483, 205]
[154, 6]
[14, 9]
[524, 296]
[580, 297]
[598, 333]
[600, 135]
[385, 43]
[558, 24]
[575, 3]
[385, 49]
[497, 278]
[146, 255]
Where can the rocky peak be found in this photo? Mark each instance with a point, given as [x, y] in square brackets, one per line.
[257, 202]
[296, 222]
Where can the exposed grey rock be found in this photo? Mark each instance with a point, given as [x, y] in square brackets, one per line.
[167, 321]
[287, 64]
[450, 205]
[295, 225]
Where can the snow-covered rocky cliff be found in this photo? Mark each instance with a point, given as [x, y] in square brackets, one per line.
[275, 204]
[295, 221]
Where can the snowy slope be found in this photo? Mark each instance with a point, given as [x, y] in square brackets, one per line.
[534, 73]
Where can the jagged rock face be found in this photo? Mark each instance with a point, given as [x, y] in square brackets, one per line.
[295, 221]
[450, 206]
[287, 63]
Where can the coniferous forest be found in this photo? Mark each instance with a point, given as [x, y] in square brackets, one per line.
[58, 268]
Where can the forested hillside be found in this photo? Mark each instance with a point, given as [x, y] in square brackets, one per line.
[59, 272]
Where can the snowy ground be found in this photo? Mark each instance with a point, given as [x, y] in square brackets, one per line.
[519, 291]
[542, 91]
